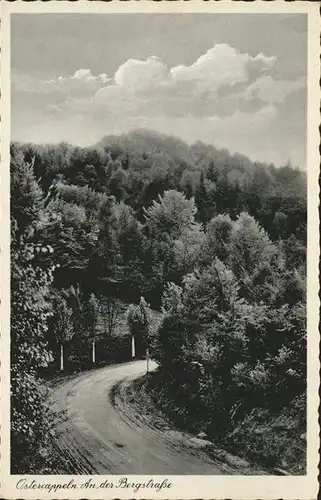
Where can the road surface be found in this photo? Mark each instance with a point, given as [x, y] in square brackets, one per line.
[95, 438]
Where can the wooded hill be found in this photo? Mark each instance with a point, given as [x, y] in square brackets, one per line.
[215, 241]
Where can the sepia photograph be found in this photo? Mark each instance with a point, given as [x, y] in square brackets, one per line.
[159, 203]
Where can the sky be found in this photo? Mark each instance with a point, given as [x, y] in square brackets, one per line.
[237, 81]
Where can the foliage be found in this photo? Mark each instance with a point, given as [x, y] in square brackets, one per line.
[252, 257]
[62, 320]
[91, 312]
[171, 214]
[72, 235]
[139, 320]
[214, 240]
[25, 193]
[205, 199]
[229, 359]
[111, 312]
[218, 236]
[31, 419]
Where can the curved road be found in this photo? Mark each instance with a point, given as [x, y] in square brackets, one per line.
[97, 439]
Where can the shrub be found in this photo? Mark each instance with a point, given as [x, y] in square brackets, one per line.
[31, 420]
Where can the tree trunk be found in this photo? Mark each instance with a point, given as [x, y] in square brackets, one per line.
[61, 357]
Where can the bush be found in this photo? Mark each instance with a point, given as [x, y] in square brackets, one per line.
[32, 421]
[271, 440]
[231, 365]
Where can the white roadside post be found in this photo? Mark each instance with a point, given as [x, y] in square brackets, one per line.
[93, 351]
[61, 357]
[133, 346]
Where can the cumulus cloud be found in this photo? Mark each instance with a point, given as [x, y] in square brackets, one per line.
[191, 88]
[183, 88]
[86, 76]
[81, 82]
[224, 97]
[221, 65]
[137, 74]
[149, 87]
[274, 91]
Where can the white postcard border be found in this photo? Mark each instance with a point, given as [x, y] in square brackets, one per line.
[185, 487]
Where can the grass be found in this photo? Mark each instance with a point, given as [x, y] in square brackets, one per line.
[274, 442]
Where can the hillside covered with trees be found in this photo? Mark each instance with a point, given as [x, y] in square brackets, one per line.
[214, 243]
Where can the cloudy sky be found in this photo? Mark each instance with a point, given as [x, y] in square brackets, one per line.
[236, 81]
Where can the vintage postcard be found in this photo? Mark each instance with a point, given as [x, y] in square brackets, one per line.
[159, 250]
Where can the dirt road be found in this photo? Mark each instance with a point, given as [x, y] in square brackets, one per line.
[96, 439]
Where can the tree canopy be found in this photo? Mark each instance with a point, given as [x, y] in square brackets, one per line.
[215, 242]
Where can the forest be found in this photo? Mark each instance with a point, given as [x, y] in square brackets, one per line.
[197, 253]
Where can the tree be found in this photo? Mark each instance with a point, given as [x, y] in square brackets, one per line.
[32, 421]
[170, 224]
[201, 199]
[187, 249]
[111, 311]
[222, 195]
[105, 258]
[206, 295]
[210, 292]
[62, 322]
[171, 214]
[91, 312]
[199, 339]
[252, 257]
[187, 184]
[139, 321]
[172, 298]
[294, 251]
[228, 356]
[169, 337]
[218, 236]
[73, 237]
[280, 225]
[130, 245]
[205, 195]
[212, 173]
[232, 339]
[26, 195]
[116, 184]
[82, 312]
